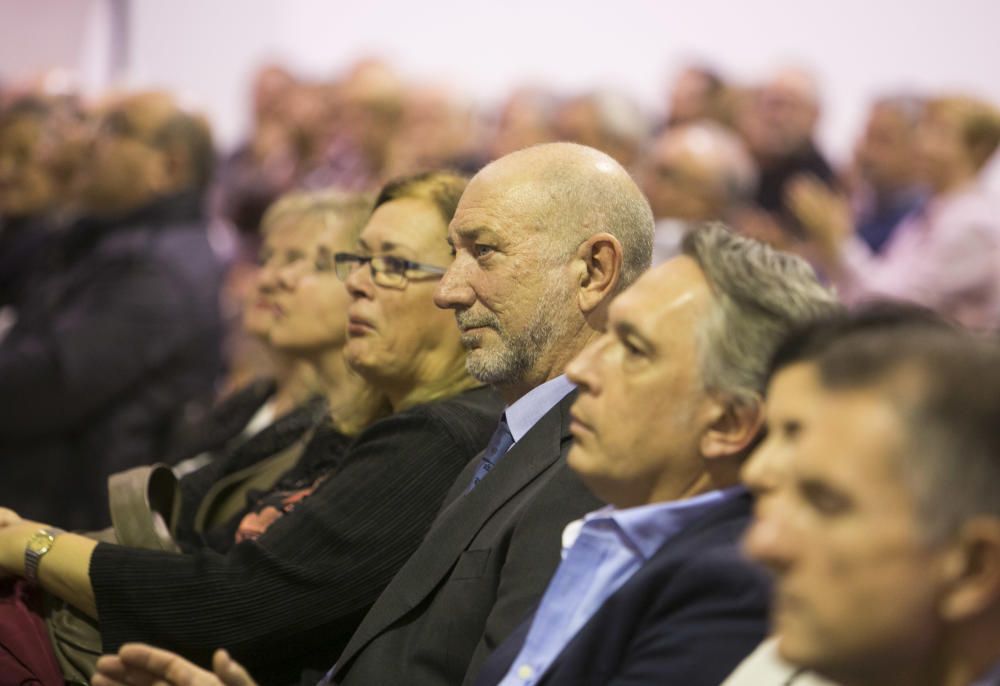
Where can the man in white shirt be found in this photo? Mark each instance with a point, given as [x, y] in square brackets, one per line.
[878, 508]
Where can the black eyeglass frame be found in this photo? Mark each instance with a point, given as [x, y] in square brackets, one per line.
[392, 270]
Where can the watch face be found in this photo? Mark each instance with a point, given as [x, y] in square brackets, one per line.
[40, 543]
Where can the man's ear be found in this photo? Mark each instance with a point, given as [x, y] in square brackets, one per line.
[601, 257]
[972, 570]
[734, 426]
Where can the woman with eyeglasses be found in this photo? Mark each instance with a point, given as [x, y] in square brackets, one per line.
[297, 311]
[292, 596]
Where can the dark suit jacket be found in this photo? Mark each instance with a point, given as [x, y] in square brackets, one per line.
[687, 617]
[291, 599]
[483, 565]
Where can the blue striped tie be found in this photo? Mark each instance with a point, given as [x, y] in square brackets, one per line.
[500, 443]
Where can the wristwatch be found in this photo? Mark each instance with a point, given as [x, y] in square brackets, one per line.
[40, 543]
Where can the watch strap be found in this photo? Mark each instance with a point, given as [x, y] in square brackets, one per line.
[33, 552]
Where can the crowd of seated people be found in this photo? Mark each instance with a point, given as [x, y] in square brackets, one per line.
[399, 392]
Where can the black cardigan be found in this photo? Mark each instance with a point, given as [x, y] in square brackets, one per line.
[291, 599]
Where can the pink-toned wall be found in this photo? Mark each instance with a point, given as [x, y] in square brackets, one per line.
[207, 49]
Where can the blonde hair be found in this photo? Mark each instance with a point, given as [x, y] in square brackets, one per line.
[978, 123]
[352, 210]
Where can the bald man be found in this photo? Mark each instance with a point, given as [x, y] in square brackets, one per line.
[694, 173]
[544, 239]
[779, 126]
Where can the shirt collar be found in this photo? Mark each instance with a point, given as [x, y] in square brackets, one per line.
[647, 527]
[525, 412]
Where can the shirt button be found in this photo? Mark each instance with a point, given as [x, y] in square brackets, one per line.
[525, 672]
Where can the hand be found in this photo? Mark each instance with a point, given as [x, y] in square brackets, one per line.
[12, 542]
[8, 517]
[824, 213]
[137, 664]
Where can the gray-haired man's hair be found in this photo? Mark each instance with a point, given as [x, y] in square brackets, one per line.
[761, 294]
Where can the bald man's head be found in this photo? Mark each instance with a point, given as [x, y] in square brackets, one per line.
[698, 172]
[544, 238]
[570, 192]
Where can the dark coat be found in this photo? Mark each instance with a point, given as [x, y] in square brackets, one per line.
[688, 616]
[290, 600]
[107, 351]
[481, 568]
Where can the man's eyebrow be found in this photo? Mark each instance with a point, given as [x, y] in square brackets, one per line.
[470, 232]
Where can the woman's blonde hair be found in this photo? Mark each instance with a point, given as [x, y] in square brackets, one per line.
[351, 210]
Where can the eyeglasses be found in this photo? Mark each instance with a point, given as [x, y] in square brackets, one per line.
[388, 271]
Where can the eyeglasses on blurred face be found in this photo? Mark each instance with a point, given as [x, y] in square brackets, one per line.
[387, 271]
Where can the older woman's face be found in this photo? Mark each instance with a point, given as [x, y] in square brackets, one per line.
[300, 303]
[397, 335]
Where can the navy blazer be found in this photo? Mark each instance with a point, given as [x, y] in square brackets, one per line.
[483, 565]
[687, 617]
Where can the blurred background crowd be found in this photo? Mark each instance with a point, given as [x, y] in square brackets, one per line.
[120, 206]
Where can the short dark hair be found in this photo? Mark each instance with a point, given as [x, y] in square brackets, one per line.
[945, 384]
[810, 340]
[193, 133]
[441, 188]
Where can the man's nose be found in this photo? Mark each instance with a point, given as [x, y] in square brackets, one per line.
[766, 540]
[453, 290]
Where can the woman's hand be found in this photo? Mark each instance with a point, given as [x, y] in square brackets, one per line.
[138, 664]
[14, 535]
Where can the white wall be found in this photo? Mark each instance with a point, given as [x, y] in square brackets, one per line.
[208, 48]
[41, 35]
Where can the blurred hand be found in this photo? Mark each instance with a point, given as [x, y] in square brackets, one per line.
[137, 664]
[824, 214]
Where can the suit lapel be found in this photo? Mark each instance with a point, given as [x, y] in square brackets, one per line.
[460, 521]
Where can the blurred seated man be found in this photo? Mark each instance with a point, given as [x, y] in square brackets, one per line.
[606, 120]
[888, 170]
[779, 125]
[694, 173]
[350, 145]
[885, 183]
[525, 118]
[884, 530]
[112, 345]
[438, 130]
[38, 146]
[655, 584]
[697, 93]
[946, 256]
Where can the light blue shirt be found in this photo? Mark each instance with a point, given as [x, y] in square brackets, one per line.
[611, 546]
[525, 412]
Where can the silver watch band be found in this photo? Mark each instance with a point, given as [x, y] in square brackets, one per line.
[38, 545]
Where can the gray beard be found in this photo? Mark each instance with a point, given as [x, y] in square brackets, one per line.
[516, 354]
